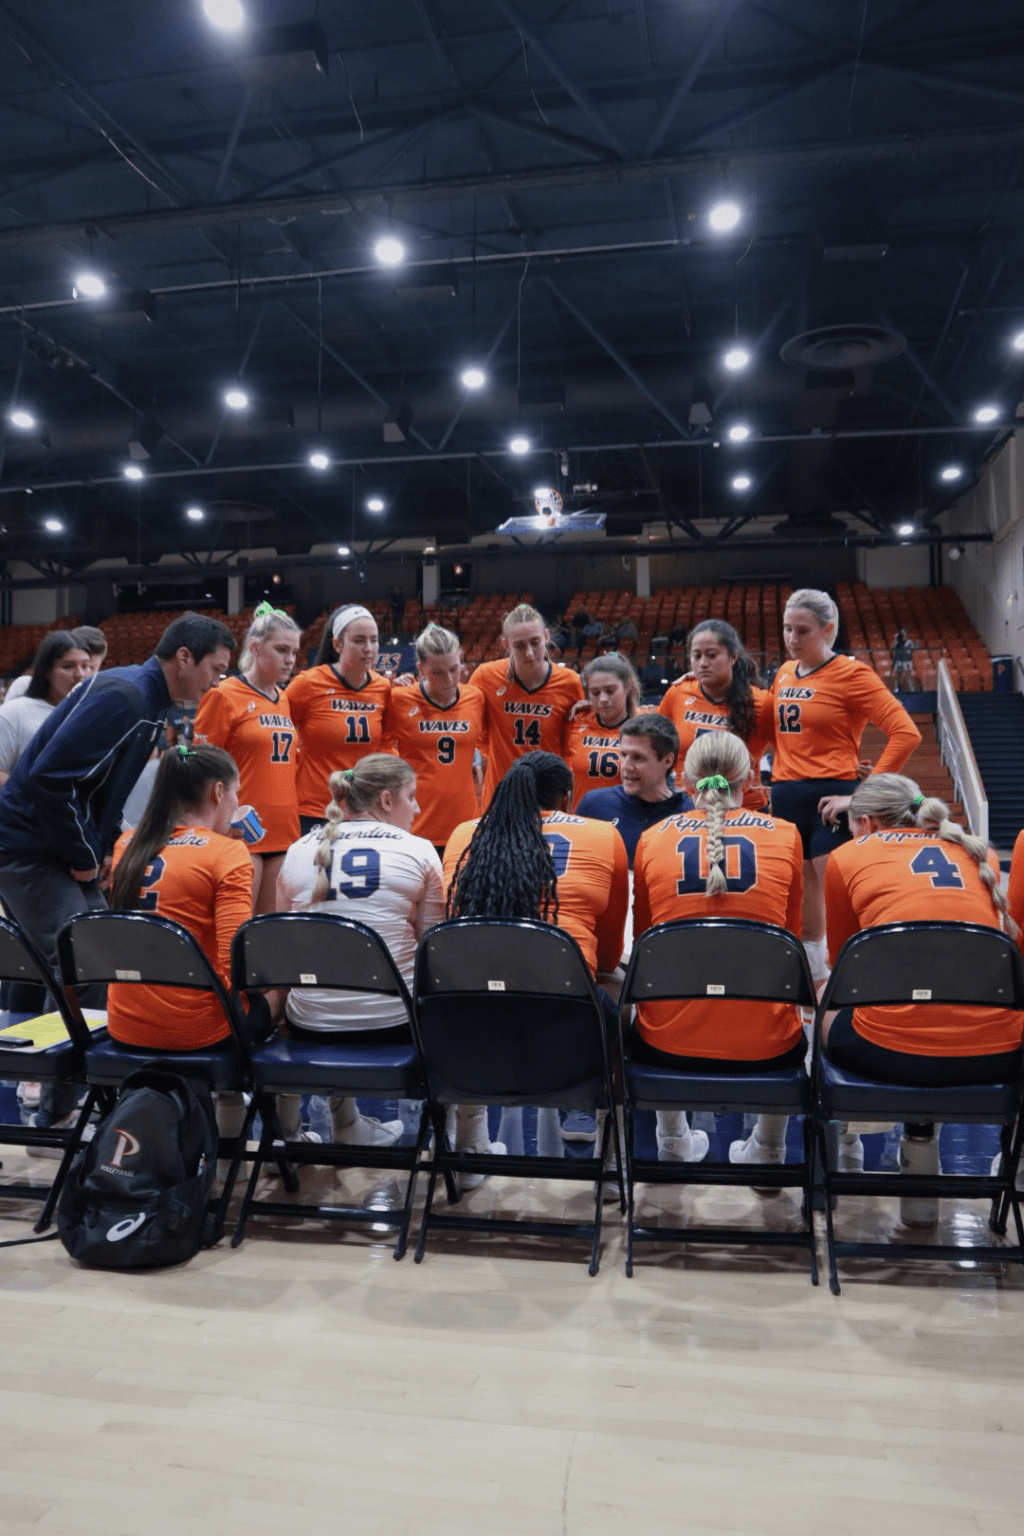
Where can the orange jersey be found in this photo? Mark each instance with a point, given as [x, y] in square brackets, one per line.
[204, 882]
[438, 744]
[262, 740]
[693, 713]
[764, 868]
[1015, 889]
[592, 752]
[820, 718]
[337, 725]
[520, 721]
[593, 881]
[911, 875]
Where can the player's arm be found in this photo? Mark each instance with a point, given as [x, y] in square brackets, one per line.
[430, 907]
[795, 902]
[887, 713]
[641, 898]
[232, 905]
[1015, 889]
[84, 739]
[611, 925]
[841, 921]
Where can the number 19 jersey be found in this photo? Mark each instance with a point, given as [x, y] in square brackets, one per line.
[261, 738]
[438, 742]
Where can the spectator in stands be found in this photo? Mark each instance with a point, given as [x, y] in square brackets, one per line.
[627, 630]
[248, 716]
[59, 664]
[86, 638]
[652, 676]
[648, 748]
[60, 810]
[822, 703]
[591, 745]
[720, 694]
[594, 630]
[680, 871]
[528, 698]
[931, 869]
[902, 653]
[363, 863]
[437, 725]
[338, 707]
[580, 620]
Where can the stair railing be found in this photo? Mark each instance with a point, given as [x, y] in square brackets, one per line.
[958, 756]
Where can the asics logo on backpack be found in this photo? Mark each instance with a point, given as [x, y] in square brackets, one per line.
[125, 1228]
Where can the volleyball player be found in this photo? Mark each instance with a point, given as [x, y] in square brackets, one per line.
[911, 863]
[248, 716]
[822, 704]
[338, 707]
[363, 863]
[719, 859]
[720, 694]
[437, 723]
[528, 698]
[591, 744]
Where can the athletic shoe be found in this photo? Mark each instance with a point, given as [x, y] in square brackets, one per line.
[365, 1131]
[754, 1151]
[850, 1157]
[302, 1136]
[28, 1095]
[579, 1126]
[66, 1124]
[997, 1169]
[468, 1181]
[692, 1147]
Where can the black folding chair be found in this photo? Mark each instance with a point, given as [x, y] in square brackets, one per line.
[933, 965]
[507, 1013]
[61, 1063]
[295, 949]
[142, 948]
[736, 962]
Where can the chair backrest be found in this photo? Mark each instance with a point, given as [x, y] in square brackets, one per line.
[727, 958]
[314, 949]
[507, 1007]
[21, 961]
[927, 963]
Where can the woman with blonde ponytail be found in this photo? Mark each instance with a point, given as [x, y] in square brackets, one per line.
[721, 859]
[363, 863]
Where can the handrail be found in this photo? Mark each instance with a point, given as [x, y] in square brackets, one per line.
[1018, 663]
[958, 755]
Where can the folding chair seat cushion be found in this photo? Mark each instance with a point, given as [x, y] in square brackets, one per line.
[377, 1071]
[108, 1064]
[844, 1094]
[780, 1092]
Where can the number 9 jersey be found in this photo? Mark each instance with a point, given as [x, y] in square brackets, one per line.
[438, 742]
[261, 738]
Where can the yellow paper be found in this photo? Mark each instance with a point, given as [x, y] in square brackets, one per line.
[48, 1028]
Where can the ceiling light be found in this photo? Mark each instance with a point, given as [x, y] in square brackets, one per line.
[520, 445]
[473, 378]
[736, 358]
[195, 514]
[389, 251]
[24, 420]
[905, 530]
[429, 549]
[952, 472]
[228, 15]
[375, 504]
[133, 472]
[236, 399]
[343, 549]
[986, 413]
[53, 525]
[1018, 341]
[319, 460]
[723, 217]
[741, 483]
[88, 285]
[739, 433]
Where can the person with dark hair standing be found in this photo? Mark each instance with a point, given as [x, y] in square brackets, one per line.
[60, 810]
[86, 638]
[648, 748]
[720, 693]
[59, 664]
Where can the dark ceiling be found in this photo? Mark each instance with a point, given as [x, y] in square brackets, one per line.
[550, 168]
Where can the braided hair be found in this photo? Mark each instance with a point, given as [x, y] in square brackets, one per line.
[507, 869]
[182, 779]
[718, 766]
[896, 801]
[355, 790]
[742, 710]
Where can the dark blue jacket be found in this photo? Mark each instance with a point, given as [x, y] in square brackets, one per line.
[629, 815]
[63, 802]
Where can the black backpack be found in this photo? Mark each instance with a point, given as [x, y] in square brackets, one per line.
[137, 1194]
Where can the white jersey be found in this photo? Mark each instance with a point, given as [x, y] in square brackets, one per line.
[381, 876]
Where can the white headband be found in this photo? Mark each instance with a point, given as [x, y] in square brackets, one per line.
[345, 617]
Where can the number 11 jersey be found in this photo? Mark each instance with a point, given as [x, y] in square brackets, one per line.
[337, 725]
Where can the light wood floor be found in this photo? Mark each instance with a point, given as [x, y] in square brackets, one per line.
[308, 1383]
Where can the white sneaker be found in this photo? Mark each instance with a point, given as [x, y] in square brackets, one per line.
[28, 1095]
[754, 1151]
[997, 1168]
[691, 1147]
[469, 1181]
[302, 1136]
[61, 1125]
[850, 1156]
[365, 1131]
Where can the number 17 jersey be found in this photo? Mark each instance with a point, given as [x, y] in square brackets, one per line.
[260, 736]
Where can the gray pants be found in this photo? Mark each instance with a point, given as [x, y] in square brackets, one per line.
[42, 899]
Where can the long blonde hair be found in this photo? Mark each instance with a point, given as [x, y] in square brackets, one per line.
[897, 801]
[717, 765]
[262, 627]
[356, 790]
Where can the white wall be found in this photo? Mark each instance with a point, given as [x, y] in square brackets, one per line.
[990, 577]
[903, 566]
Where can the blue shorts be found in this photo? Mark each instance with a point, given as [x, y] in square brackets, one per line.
[797, 801]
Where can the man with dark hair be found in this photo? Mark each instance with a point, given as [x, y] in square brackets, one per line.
[60, 810]
[648, 747]
[94, 641]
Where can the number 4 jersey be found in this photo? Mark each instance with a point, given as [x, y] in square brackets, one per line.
[261, 738]
[764, 872]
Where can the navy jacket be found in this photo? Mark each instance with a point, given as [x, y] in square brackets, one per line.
[629, 815]
[63, 802]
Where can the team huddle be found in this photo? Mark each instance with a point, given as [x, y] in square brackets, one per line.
[592, 810]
